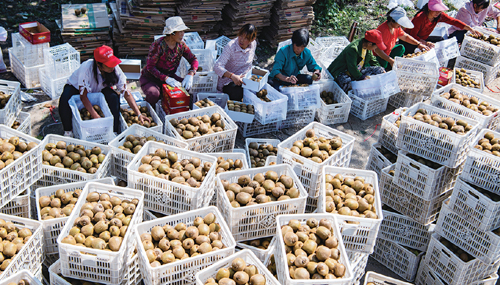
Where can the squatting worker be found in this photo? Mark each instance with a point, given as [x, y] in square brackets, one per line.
[235, 62]
[290, 60]
[93, 76]
[391, 31]
[357, 61]
[426, 20]
[474, 14]
[164, 57]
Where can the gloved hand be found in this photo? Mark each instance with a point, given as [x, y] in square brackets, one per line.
[187, 83]
[172, 82]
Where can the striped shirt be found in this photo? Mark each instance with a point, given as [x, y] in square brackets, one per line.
[234, 59]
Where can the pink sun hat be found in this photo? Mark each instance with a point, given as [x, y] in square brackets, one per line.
[437, 5]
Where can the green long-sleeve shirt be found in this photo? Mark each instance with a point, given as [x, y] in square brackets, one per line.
[349, 59]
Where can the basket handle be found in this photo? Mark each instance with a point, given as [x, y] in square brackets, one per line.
[414, 166]
[473, 194]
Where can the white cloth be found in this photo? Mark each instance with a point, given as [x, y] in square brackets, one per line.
[467, 15]
[84, 77]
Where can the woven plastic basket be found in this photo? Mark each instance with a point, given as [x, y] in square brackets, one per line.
[22, 275]
[425, 276]
[397, 258]
[156, 119]
[490, 72]
[475, 75]
[262, 254]
[379, 279]
[388, 135]
[267, 112]
[13, 107]
[19, 206]
[337, 113]
[366, 108]
[479, 50]
[416, 77]
[273, 142]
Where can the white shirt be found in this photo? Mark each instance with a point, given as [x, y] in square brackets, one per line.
[84, 77]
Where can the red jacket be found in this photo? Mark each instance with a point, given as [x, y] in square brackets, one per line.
[423, 27]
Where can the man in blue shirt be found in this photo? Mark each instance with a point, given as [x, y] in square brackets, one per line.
[290, 60]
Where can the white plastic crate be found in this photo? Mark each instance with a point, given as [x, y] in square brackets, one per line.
[250, 259]
[156, 119]
[252, 85]
[326, 42]
[329, 54]
[19, 206]
[358, 262]
[267, 112]
[182, 271]
[379, 279]
[483, 245]
[334, 113]
[380, 86]
[52, 227]
[490, 72]
[416, 77]
[22, 275]
[403, 99]
[446, 50]
[256, 221]
[397, 258]
[477, 208]
[204, 82]
[167, 197]
[205, 61]
[122, 158]
[28, 76]
[429, 56]
[481, 168]
[9, 113]
[490, 122]
[215, 142]
[95, 130]
[308, 171]
[273, 142]
[479, 50]
[377, 161]
[441, 146]
[297, 119]
[404, 231]
[388, 135]
[426, 276]
[421, 180]
[24, 171]
[193, 40]
[256, 128]
[271, 159]
[52, 87]
[24, 119]
[218, 98]
[302, 98]
[148, 216]
[61, 60]
[422, 211]
[359, 234]
[160, 112]
[93, 264]
[476, 75]
[366, 108]
[280, 253]
[453, 270]
[312, 45]
[261, 254]
[220, 43]
[30, 256]
[28, 53]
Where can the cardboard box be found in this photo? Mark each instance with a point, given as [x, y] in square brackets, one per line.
[175, 97]
[131, 68]
[95, 17]
[254, 85]
[34, 32]
[169, 111]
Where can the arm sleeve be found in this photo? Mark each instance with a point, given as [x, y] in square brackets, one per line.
[311, 63]
[464, 16]
[371, 60]
[417, 23]
[153, 57]
[84, 77]
[191, 58]
[121, 86]
[279, 62]
[220, 64]
[493, 12]
[452, 21]
[352, 64]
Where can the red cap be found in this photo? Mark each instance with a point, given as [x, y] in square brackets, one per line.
[104, 55]
[375, 36]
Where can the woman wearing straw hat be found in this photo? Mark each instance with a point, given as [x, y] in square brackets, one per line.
[164, 57]
[426, 20]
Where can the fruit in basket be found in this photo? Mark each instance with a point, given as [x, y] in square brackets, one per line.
[489, 39]
[13, 148]
[473, 103]
[419, 53]
[58, 205]
[20, 282]
[457, 126]
[262, 95]
[85, 114]
[74, 157]
[256, 78]
[239, 273]
[464, 256]
[204, 103]
[260, 243]
[4, 98]
[103, 222]
[133, 144]
[166, 165]
[272, 266]
[229, 164]
[489, 143]
[259, 153]
[328, 98]
[296, 85]
[193, 127]
[262, 188]
[349, 196]
[13, 240]
[462, 78]
[316, 149]
[240, 107]
[387, 154]
[131, 118]
[16, 125]
[172, 243]
[312, 250]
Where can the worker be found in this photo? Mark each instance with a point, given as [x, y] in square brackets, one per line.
[235, 62]
[391, 31]
[164, 57]
[93, 76]
[290, 60]
[473, 14]
[357, 61]
[426, 20]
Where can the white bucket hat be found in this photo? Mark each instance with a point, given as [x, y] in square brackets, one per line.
[174, 24]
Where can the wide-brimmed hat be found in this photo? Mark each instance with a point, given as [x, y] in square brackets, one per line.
[437, 5]
[174, 24]
[399, 15]
[375, 36]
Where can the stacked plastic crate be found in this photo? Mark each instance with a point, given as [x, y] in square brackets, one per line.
[60, 62]
[26, 59]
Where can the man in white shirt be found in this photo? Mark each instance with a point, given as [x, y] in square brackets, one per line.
[93, 76]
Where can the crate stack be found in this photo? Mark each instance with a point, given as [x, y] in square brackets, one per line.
[202, 16]
[240, 12]
[26, 59]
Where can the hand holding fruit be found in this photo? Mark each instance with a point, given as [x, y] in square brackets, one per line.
[143, 118]
[316, 75]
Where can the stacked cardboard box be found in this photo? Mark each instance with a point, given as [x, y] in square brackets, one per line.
[202, 16]
[241, 12]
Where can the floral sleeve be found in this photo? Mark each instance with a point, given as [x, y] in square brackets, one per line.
[155, 52]
[191, 58]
